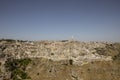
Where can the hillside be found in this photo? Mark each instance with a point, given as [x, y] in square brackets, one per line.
[59, 60]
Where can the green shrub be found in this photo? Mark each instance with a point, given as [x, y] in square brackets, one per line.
[52, 53]
[17, 68]
[116, 57]
[71, 62]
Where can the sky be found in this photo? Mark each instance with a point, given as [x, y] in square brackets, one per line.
[86, 20]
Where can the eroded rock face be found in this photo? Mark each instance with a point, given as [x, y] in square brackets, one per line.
[55, 58]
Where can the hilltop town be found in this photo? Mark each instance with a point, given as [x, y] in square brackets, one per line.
[62, 54]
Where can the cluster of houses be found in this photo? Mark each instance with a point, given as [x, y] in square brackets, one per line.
[55, 50]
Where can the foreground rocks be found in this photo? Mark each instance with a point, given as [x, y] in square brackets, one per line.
[45, 69]
[63, 60]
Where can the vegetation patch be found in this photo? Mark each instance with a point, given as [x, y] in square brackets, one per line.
[71, 62]
[116, 57]
[17, 68]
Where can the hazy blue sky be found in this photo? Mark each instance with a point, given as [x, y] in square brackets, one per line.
[86, 20]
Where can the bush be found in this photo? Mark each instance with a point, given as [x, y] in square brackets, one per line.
[17, 68]
[52, 53]
[116, 57]
[71, 62]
